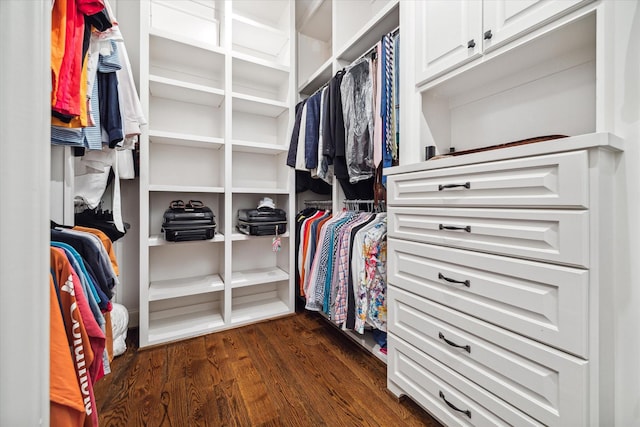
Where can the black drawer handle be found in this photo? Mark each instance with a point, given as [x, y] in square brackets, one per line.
[488, 34]
[465, 185]
[466, 412]
[451, 227]
[452, 344]
[471, 44]
[467, 283]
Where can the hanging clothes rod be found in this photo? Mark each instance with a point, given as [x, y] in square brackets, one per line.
[318, 203]
[366, 205]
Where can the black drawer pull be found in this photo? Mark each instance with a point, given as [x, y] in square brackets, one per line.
[466, 412]
[465, 185]
[451, 227]
[452, 344]
[471, 44]
[488, 34]
[467, 283]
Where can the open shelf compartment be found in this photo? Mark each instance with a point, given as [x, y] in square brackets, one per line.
[175, 116]
[261, 79]
[260, 128]
[159, 201]
[190, 316]
[172, 288]
[200, 19]
[202, 167]
[261, 29]
[174, 57]
[264, 301]
[259, 171]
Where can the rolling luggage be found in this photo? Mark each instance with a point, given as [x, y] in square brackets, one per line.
[264, 221]
[186, 222]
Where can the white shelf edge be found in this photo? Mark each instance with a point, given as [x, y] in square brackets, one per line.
[321, 76]
[246, 312]
[168, 35]
[258, 190]
[257, 147]
[260, 100]
[158, 240]
[236, 236]
[369, 34]
[603, 140]
[189, 139]
[257, 276]
[201, 319]
[167, 289]
[258, 25]
[185, 189]
[259, 61]
[214, 93]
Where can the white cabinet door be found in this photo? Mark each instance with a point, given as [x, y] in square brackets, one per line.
[506, 19]
[446, 30]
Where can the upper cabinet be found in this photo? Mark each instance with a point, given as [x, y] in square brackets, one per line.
[448, 34]
[453, 32]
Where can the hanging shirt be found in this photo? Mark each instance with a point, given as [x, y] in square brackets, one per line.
[67, 407]
[357, 105]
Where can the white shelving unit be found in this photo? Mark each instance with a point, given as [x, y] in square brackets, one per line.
[215, 81]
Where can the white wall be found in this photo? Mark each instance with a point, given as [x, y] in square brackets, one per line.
[626, 124]
[24, 212]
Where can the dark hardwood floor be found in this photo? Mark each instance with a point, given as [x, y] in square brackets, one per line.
[293, 371]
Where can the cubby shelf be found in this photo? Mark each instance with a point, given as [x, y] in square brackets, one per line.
[258, 37]
[258, 147]
[184, 139]
[184, 322]
[258, 105]
[165, 289]
[177, 90]
[237, 236]
[257, 276]
[158, 240]
[185, 189]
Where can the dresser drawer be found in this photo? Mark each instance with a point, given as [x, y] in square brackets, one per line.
[549, 385]
[543, 181]
[545, 302]
[438, 389]
[554, 236]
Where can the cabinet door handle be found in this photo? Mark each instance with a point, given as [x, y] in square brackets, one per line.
[466, 412]
[471, 43]
[467, 283]
[488, 35]
[443, 186]
[452, 227]
[452, 344]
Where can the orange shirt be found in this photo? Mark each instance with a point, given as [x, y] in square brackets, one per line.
[66, 406]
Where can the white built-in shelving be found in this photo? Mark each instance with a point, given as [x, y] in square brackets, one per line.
[216, 85]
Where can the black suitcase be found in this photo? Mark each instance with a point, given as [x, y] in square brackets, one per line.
[186, 222]
[262, 221]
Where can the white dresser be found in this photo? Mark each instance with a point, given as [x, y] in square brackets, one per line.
[499, 272]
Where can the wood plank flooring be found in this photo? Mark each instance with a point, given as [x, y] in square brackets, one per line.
[294, 371]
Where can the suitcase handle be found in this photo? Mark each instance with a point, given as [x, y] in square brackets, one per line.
[195, 204]
[176, 204]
